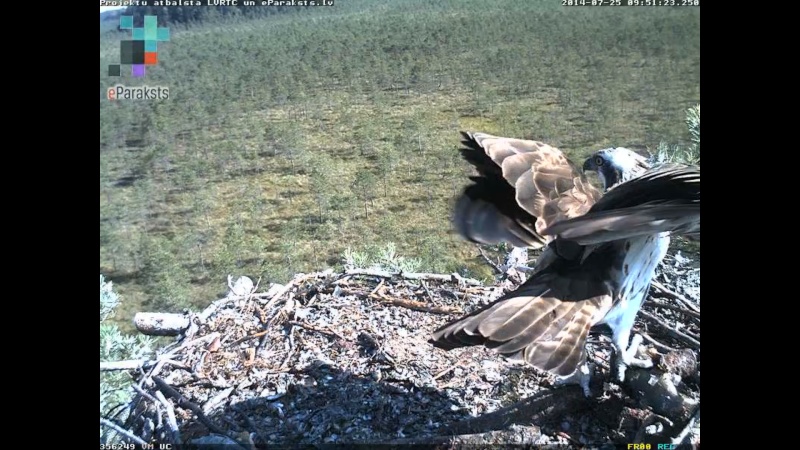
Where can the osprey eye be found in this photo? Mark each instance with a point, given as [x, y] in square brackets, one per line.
[599, 161]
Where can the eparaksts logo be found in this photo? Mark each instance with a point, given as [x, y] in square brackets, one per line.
[120, 92]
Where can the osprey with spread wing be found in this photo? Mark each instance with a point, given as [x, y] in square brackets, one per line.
[601, 248]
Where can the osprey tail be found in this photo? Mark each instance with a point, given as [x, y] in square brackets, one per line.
[533, 325]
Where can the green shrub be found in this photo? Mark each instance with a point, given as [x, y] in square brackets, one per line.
[381, 258]
[115, 387]
[666, 153]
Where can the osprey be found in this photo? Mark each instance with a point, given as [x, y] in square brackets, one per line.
[601, 249]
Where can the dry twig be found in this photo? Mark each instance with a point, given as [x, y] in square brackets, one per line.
[679, 308]
[427, 291]
[656, 343]
[414, 276]
[186, 404]
[166, 357]
[377, 288]
[247, 338]
[144, 393]
[130, 364]
[491, 263]
[122, 431]
[310, 327]
[292, 348]
[172, 423]
[660, 288]
[417, 306]
[683, 337]
[687, 430]
[449, 368]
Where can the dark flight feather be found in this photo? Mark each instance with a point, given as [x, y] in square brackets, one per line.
[663, 199]
[522, 187]
[529, 194]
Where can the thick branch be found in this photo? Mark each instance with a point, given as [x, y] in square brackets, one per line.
[686, 339]
[660, 288]
[160, 324]
[122, 431]
[679, 308]
[133, 364]
[416, 306]
[172, 422]
[656, 343]
[186, 404]
[130, 364]
[415, 276]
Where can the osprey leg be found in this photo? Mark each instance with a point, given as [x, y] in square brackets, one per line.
[626, 357]
[582, 376]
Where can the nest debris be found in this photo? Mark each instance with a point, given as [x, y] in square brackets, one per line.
[344, 358]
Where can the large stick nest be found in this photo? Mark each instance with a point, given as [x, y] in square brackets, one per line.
[344, 358]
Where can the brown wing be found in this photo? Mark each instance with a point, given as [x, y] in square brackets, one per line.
[545, 322]
[663, 199]
[523, 187]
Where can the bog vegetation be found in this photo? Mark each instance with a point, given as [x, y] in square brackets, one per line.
[294, 138]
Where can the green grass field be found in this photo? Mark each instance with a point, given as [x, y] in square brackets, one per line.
[290, 138]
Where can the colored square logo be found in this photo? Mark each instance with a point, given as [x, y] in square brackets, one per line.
[126, 22]
[150, 58]
[150, 27]
[142, 49]
[131, 52]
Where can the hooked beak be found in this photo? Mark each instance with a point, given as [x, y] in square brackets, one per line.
[589, 165]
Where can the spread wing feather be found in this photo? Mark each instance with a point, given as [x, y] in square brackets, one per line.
[528, 192]
[545, 322]
[523, 187]
[663, 199]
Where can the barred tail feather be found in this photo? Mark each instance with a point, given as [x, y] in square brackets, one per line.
[546, 332]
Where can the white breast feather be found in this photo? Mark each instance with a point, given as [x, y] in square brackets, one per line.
[642, 260]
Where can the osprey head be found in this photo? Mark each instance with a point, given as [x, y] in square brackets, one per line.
[616, 165]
